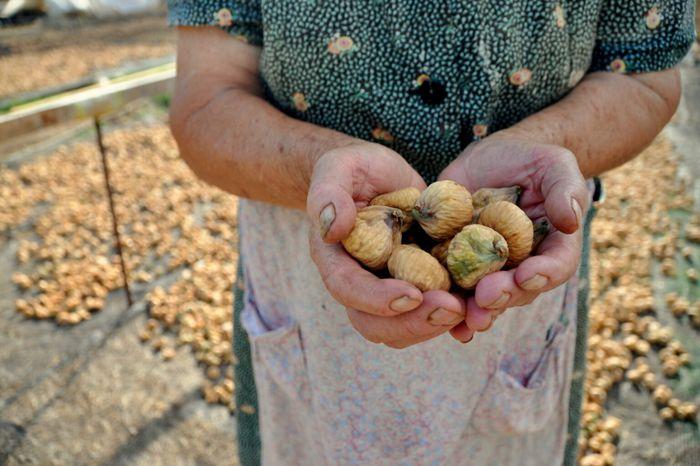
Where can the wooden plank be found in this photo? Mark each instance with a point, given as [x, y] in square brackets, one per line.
[89, 102]
[129, 68]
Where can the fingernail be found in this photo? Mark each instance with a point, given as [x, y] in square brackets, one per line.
[500, 302]
[576, 207]
[441, 316]
[537, 282]
[404, 304]
[468, 339]
[325, 219]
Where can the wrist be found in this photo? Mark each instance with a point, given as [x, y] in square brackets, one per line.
[531, 131]
[513, 146]
[544, 144]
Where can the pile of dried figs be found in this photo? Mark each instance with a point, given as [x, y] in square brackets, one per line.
[444, 235]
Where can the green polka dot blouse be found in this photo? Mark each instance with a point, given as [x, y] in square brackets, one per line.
[426, 78]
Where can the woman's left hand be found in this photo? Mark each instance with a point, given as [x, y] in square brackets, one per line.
[553, 187]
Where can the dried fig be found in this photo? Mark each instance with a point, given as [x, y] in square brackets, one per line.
[475, 252]
[484, 196]
[403, 199]
[443, 209]
[439, 251]
[377, 230]
[513, 224]
[541, 229]
[411, 264]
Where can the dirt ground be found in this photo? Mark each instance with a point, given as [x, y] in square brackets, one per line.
[94, 393]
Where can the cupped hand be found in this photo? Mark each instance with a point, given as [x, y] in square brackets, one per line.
[553, 187]
[388, 311]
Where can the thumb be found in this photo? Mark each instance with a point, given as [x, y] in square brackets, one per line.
[330, 202]
[343, 178]
[565, 193]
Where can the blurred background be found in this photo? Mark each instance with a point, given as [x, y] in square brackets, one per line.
[117, 265]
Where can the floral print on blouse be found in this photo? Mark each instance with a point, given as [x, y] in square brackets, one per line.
[427, 78]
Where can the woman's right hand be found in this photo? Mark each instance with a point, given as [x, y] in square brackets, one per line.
[387, 311]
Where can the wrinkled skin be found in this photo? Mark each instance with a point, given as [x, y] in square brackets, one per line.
[388, 311]
[553, 187]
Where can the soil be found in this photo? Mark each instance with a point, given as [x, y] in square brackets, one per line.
[94, 393]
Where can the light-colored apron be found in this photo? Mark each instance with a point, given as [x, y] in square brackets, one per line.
[326, 396]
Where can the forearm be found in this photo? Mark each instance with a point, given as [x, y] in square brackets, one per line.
[229, 135]
[607, 119]
[244, 146]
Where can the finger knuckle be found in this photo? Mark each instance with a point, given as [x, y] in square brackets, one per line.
[562, 153]
[336, 280]
[315, 191]
[328, 275]
[548, 154]
[383, 299]
[342, 159]
[365, 331]
[412, 328]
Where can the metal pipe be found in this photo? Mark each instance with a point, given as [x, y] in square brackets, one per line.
[110, 198]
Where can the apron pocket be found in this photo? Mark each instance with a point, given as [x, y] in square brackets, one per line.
[278, 357]
[512, 407]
